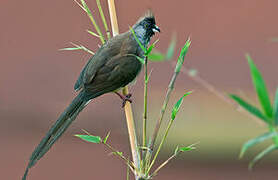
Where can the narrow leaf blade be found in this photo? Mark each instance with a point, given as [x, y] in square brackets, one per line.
[70, 49]
[260, 87]
[89, 138]
[275, 107]
[106, 137]
[177, 106]
[261, 155]
[156, 56]
[255, 141]
[171, 48]
[184, 149]
[142, 60]
[248, 107]
[149, 50]
[182, 55]
[93, 33]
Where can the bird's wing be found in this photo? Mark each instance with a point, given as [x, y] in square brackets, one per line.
[110, 49]
[117, 72]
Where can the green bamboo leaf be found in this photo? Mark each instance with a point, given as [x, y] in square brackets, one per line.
[93, 33]
[118, 153]
[188, 148]
[182, 55]
[255, 141]
[70, 49]
[171, 48]
[177, 106]
[275, 107]
[149, 50]
[89, 138]
[260, 87]
[156, 56]
[106, 137]
[142, 60]
[248, 107]
[261, 155]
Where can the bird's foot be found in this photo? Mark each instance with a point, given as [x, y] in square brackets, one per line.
[125, 98]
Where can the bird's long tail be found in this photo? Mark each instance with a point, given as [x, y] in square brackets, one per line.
[65, 119]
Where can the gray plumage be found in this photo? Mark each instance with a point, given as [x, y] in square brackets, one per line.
[113, 66]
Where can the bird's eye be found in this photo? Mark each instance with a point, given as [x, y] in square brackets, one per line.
[146, 25]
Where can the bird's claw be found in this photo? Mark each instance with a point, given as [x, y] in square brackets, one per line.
[126, 98]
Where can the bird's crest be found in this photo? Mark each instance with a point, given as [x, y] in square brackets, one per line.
[147, 15]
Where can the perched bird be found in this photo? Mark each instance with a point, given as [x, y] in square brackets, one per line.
[112, 67]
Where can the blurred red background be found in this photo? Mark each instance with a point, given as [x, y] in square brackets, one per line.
[36, 84]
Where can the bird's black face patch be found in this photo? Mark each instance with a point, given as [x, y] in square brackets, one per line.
[149, 25]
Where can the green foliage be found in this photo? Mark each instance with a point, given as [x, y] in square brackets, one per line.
[77, 47]
[182, 55]
[269, 114]
[156, 56]
[171, 48]
[188, 148]
[257, 140]
[89, 138]
[93, 33]
[275, 107]
[248, 107]
[260, 87]
[106, 138]
[177, 106]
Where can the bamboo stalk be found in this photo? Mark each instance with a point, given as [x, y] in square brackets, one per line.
[113, 17]
[128, 109]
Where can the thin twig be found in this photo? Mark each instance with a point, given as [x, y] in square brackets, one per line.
[126, 160]
[217, 93]
[128, 109]
[164, 163]
[160, 145]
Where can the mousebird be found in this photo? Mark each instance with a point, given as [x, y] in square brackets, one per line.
[113, 66]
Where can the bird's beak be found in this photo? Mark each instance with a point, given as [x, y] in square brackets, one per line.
[156, 29]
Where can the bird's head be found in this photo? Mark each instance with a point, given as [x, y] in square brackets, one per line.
[145, 27]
